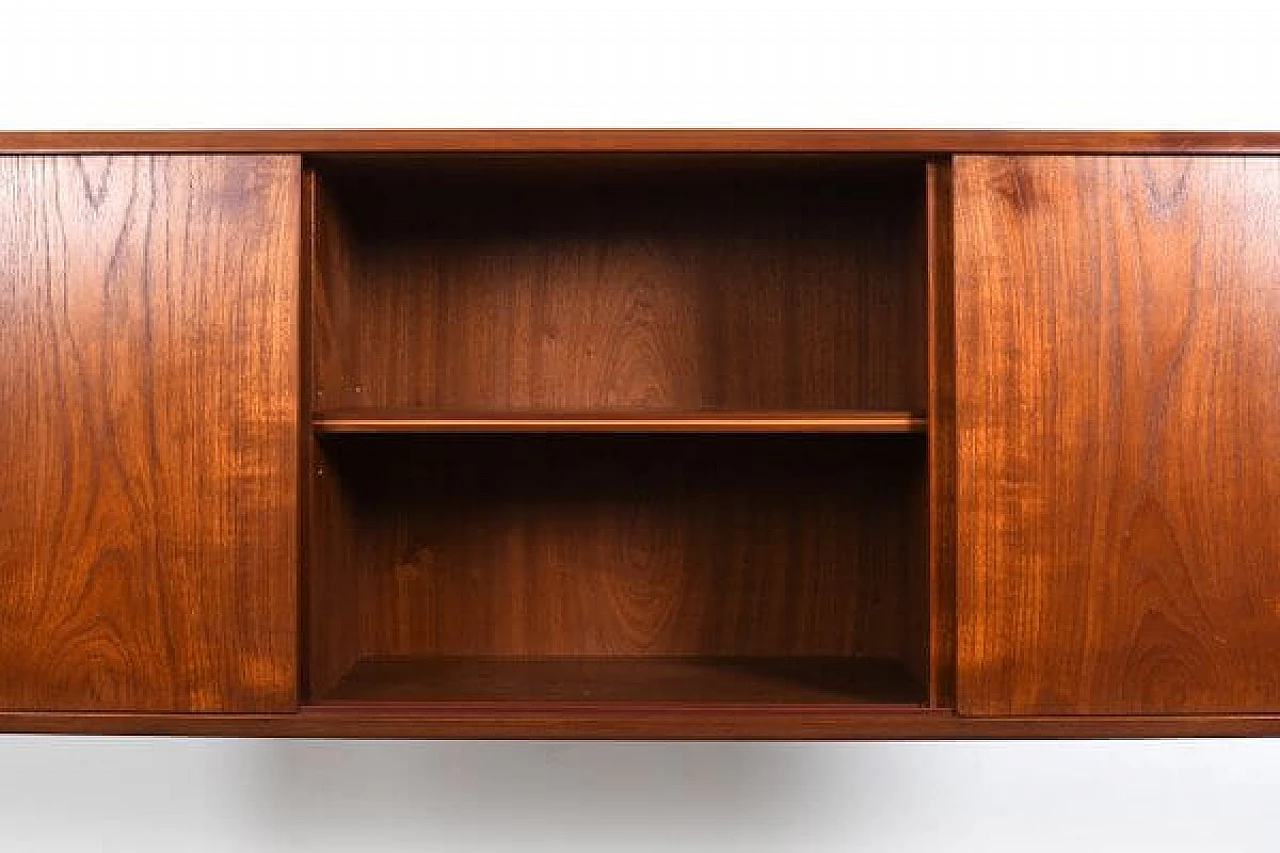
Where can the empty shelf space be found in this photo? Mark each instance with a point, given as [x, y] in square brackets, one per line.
[740, 560]
[611, 430]
[463, 285]
[685, 680]
[387, 421]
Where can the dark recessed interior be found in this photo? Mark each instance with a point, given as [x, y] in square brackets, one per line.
[714, 567]
[557, 567]
[572, 284]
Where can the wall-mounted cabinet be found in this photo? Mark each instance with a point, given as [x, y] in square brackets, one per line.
[640, 434]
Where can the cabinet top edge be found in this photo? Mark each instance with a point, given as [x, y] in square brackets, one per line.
[641, 141]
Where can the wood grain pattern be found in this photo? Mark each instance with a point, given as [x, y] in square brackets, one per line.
[617, 295]
[749, 140]
[1119, 355]
[641, 721]
[377, 421]
[330, 636]
[591, 285]
[497, 682]
[148, 433]
[573, 546]
[942, 437]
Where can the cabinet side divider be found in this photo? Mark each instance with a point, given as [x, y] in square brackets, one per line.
[941, 431]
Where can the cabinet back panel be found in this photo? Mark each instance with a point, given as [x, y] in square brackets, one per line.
[148, 433]
[556, 284]
[630, 546]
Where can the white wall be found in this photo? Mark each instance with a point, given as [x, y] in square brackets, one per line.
[139, 796]
[1011, 64]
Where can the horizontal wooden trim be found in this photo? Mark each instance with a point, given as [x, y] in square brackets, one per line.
[640, 723]
[841, 422]
[610, 140]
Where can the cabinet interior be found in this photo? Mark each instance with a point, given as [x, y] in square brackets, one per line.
[529, 381]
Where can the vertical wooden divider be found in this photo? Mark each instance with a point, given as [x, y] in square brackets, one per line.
[941, 411]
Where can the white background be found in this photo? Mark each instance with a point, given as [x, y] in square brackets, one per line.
[909, 64]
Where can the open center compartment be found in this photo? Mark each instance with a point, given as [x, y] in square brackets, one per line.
[619, 284]
[594, 568]
[530, 379]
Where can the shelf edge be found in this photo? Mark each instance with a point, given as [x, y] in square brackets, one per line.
[874, 423]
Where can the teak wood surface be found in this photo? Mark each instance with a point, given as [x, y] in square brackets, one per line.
[629, 547]
[147, 440]
[634, 433]
[679, 286]
[372, 421]
[1119, 365]
[758, 140]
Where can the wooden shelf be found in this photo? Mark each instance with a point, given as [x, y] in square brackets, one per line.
[375, 421]
[601, 435]
[633, 680]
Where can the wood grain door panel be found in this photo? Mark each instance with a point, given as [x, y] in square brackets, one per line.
[1118, 366]
[148, 433]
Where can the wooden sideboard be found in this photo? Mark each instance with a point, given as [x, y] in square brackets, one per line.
[640, 434]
